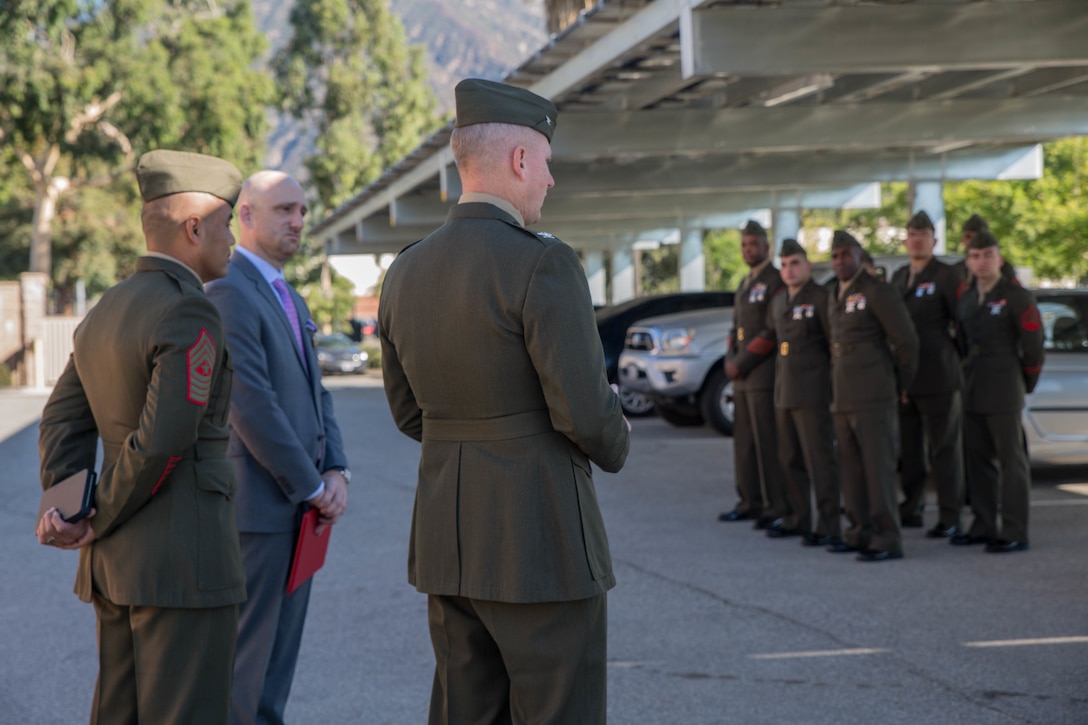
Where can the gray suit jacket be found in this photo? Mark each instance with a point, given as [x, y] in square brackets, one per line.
[283, 433]
[492, 358]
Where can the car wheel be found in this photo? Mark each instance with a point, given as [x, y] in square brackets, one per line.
[634, 404]
[716, 401]
[679, 417]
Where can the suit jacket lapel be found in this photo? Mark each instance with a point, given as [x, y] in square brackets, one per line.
[265, 291]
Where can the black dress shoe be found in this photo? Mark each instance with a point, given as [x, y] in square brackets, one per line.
[734, 515]
[767, 522]
[840, 547]
[781, 532]
[1001, 546]
[940, 531]
[968, 540]
[878, 555]
[912, 522]
[816, 540]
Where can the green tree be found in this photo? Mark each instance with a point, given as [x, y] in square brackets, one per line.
[725, 267]
[1042, 223]
[349, 72]
[86, 85]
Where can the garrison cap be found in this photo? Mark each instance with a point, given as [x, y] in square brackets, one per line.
[921, 220]
[975, 224]
[983, 240]
[754, 228]
[790, 247]
[162, 173]
[480, 101]
[843, 238]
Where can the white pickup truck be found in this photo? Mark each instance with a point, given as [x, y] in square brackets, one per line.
[678, 361]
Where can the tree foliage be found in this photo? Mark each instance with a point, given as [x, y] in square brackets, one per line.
[349, 72]
[86, 86]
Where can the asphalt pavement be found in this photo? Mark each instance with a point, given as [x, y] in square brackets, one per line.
[710, 622]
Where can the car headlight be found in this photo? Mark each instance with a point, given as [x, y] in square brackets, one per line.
[677, 341]
[322, 356]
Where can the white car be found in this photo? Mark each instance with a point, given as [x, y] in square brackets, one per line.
[1055, 416]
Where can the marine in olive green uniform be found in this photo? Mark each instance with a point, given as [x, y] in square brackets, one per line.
[802, 400]
[749, 363]
[492, 359]
[874, 355]
[1003, 335]
[151, 377]
[971, 229]
[931, 409]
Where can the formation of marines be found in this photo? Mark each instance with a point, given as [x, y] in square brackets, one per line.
[846, 389]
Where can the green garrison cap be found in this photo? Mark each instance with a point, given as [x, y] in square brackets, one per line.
[162, 173]
[921, 220]
[844, 238]
[480, 101]
[754, 228]
[975, 224]
[982, 240]
[790, 247]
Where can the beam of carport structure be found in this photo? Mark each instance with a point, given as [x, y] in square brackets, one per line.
[732, 173]
[802, 129]
[861, 39]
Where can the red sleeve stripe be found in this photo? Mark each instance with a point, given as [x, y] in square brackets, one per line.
[1032, 369]
[760, 346]
[171, 464]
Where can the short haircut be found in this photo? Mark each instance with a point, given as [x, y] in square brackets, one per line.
[484, 145]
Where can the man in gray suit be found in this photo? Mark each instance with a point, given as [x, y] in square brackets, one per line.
[492, 359]
[284, 441]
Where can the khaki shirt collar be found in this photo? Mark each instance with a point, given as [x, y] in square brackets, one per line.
[843, 286]
[481, 197]
[756, 271]
[175, 260]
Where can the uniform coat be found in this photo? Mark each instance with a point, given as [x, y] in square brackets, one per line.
[760, 482]
[1003, 336]
[283, 434]
[492, 359]
[150, 375]
[874, 352]
[802, 398]
[931, 421]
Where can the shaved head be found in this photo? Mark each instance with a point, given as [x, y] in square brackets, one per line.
[271, 209]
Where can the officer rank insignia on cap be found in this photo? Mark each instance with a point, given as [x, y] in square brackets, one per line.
[481, 101]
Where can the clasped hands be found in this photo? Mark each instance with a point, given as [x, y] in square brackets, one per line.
[332, 501]
[53, 530]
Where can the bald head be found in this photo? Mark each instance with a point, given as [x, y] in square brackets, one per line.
[271, 209]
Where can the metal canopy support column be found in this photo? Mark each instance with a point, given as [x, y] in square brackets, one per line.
[692, 260]
[929, 197]
[786, 224]
[623, 274]
[595, 273]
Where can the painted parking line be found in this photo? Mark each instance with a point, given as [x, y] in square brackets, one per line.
[1081, 489]
[820, 653]
[1027, 642]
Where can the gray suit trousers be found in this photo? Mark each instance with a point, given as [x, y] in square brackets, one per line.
[269, 630]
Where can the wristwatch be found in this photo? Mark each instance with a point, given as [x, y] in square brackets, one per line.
[345, 472]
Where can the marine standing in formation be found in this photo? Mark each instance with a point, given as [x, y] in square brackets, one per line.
[874, 353]
[749, 363]
[931, 408]
[492, 358]
[802, 400]
[150, 376]
[1003, 335]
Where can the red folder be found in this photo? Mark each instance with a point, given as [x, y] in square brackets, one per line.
[309, 551]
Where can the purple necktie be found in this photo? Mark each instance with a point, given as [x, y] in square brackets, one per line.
[292, 314]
